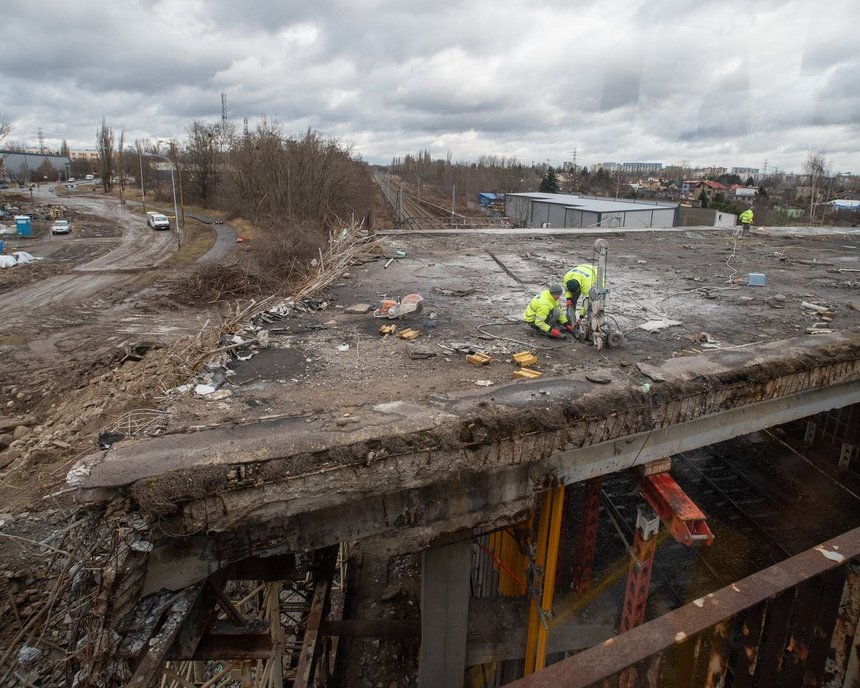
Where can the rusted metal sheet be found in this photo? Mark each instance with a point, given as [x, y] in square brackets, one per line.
[797, 649]
[677, 628]
[770, 655]
[825, 621]
[843, 669]
[750, 625]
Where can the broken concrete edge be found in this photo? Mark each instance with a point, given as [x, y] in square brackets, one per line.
[448, 432]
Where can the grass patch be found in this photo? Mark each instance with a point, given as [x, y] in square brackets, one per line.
[197, 239]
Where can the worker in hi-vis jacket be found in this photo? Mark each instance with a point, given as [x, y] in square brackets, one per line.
[544, 314]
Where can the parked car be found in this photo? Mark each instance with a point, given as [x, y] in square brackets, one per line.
[90, 177]
[157, 221]
[71, 179]
[61, 227]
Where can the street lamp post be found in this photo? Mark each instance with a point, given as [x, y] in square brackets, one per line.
[172, 145]
[172, 184]
[142, 187]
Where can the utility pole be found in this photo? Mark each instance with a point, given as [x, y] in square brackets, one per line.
[453, 198]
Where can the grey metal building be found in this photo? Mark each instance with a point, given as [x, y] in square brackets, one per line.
[19, 165]
[569, 210]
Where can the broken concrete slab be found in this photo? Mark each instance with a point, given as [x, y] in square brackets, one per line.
[650, 371]
[419, 353]
[359, 308]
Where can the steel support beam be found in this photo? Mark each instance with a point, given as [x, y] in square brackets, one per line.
[676, 628]
[676, 510]
[639, 573]
[586, 544]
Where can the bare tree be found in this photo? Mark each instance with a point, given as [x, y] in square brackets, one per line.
[5, 129]
[818, 169]
[105, 148]
[201, 161]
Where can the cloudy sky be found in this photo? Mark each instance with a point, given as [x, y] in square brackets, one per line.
[726, 83]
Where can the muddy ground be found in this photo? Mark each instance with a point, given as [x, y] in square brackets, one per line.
[90, 341]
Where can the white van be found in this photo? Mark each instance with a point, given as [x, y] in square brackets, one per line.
[157, 221]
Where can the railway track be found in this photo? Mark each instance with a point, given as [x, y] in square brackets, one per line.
[412, 212]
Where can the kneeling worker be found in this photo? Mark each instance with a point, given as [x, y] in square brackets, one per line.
[578, 281]
[544, 314]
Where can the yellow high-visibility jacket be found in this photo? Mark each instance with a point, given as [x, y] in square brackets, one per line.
[585, 275]
[746, 217]
[539, 310]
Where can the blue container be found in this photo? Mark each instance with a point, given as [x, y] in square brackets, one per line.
[23, 224]
[756, 279]
[1, 247]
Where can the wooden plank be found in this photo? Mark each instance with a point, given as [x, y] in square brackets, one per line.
[306, 668]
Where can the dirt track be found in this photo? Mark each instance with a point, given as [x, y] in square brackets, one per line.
[100, 293]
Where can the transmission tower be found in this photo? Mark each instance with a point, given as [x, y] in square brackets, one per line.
[245, 127]
[41, 136]
[224, 106]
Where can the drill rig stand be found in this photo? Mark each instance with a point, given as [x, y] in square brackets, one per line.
[593, 326]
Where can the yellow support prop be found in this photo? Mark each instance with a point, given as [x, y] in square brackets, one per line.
[549, 573]
[549, 529]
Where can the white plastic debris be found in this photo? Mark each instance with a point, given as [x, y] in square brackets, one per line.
[484, 383]
[23, 257]
[830, 554]
[343, 347]
[656, 325]
[8, 262]
[203, 390]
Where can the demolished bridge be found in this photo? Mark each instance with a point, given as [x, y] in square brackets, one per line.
[419, 474]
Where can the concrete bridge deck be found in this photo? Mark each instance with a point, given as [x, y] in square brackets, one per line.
[427, 473]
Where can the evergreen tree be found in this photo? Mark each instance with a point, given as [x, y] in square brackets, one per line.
[703, 198]
[549, 183]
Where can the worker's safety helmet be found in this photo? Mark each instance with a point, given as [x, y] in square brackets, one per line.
[555, 288]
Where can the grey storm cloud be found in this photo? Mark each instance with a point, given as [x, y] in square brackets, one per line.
[624, 80]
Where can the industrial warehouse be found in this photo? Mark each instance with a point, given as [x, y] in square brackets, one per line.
[569, 210]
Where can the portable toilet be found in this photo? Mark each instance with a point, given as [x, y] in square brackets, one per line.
[23, 224]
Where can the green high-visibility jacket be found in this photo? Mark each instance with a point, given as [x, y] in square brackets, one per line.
[540, 309]
[746, 217]
[584, 276]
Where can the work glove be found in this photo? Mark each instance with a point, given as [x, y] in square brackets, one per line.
[569, 328]
[554, 333]
[570, 303]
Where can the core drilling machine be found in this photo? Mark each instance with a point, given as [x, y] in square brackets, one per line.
[593, 326]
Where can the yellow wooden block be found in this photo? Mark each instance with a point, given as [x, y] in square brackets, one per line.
[478, 359]
[388, 329]
[409, 334]
[525, 359]
[527, 373]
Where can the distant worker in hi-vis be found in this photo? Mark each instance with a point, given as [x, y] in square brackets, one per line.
[746, 219]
